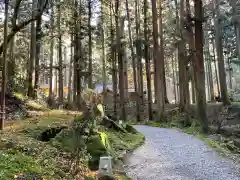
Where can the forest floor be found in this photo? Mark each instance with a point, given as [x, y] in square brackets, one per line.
[41, 145]
[169, 154]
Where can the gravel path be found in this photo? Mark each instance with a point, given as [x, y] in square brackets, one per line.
[169, 154]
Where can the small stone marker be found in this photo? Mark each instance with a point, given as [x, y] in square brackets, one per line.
[120, 122]
[105, 166]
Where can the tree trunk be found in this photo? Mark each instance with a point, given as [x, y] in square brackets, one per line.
[221, 68]
[79, 57]
[103, 49]
[11, 65]
[125, 61]
[50, 96]
[4, 67]
[209, 67]
[114, 68]
[30, 69]
[183, 79]
[60, 60]
[133, 58]
[20, 26]
[119, 47]
[235, 7]
[215, 67]
[192, 54]
[159, 66]
[139, 61]
[75, 63]
[147, 61]
[37, 55]
[162, 48]
[229, 72]
[174, 79]
[200, 79]
[70, 72]
[90, 81]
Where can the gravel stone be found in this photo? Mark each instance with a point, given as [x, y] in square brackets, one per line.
[169, 154]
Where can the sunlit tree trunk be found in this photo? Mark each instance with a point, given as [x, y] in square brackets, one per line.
[215, 66]
[70, 72]
[192, 49]
[209, 70]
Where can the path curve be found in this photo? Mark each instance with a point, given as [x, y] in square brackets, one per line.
[169, 154]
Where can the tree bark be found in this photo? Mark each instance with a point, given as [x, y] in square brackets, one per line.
[222, 73]
[30, 69]
[23, 24]
[37, 55]
[123, 115]
[133, 58]
[70, 72]
[139, 60]
[60, 60]
[235, 7]
[183, 79]
[200, 79]
[50, 96]
[215, 67]
[174, 79]
[90, 81]
[162, 49]
[159, 66]
[4, 67]
[114, 68]
[103, 49]
[209, 67]
[147, 61]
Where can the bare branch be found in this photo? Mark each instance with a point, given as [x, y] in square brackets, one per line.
[21, 25]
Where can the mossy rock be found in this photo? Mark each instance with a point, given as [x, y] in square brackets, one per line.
[96, 149]
[131, 129]
[110, 124]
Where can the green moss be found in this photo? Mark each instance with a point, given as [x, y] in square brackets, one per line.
[51, 159]
[21, 137]
[96, 149]
[13, 163]
[121, 142]
[33, 104]
[131, 129]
